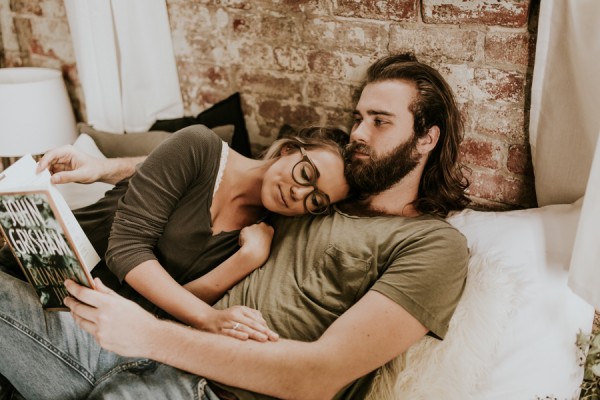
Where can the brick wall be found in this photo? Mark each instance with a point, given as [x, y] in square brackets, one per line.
[299, 62]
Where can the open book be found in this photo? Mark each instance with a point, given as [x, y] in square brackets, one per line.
[43, 233]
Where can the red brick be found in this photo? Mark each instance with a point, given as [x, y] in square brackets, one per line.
[291, 6]
[339, 118]
[13, 59]
[295, 115]
[336, 65]
[481, 152]
[394, 10]
[512, 13]
[519, 160]
[250, 53]
[331, 94]
[460, 78]
[237, 4]
[202, 86]
[290, 58]
[507, 189]
[27, 7]
[495, 84]
[270, 84]
[280, 29]
[357, 36]
[501, 120]
[441, 44]
[508, 47]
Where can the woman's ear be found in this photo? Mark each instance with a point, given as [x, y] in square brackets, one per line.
[427, 143]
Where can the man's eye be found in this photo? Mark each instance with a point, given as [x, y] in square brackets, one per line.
[378, 122]
[357, 121]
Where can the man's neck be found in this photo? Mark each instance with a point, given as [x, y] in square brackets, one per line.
[396, 200]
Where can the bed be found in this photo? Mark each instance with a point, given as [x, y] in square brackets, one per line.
[514, 333]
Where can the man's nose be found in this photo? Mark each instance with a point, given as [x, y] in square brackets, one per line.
[360, 133]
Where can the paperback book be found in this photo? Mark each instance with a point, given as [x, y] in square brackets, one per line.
[43, 233]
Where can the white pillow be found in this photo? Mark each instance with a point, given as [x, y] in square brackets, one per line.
[513, 334]
[452, 368]
[79, 195]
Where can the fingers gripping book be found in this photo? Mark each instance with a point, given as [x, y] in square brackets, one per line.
[43, 233]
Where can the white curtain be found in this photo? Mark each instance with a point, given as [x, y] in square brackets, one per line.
[565, 125]
[125, 62]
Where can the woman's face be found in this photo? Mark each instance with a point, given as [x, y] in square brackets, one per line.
[289, 183]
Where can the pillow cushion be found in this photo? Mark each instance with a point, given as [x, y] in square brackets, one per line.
[79, 195]
[452, 368]
[514, 331]
[139, 143]
[228, 111]
[537, 357]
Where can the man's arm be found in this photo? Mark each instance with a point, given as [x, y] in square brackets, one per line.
[371, 333]
[68, 164]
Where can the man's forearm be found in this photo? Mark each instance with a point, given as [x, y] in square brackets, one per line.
[369, 334]
[117, 169]
[284, 369]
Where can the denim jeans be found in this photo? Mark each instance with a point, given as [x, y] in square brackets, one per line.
[45, 355]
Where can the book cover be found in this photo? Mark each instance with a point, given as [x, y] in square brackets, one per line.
[43, 234]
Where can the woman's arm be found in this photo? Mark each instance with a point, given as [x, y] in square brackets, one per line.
[255, 242]
[154, 283]
[184, 163]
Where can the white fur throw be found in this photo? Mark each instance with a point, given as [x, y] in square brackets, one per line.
[450, 369]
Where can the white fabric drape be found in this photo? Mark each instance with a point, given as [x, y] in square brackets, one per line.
[565, 124]
[125, 62]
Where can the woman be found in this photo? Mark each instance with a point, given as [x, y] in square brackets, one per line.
[180, 218]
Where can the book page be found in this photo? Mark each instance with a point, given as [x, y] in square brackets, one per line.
[22, 174]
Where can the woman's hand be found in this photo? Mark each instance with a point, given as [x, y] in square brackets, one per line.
[241, 323]
[255, 242]
[118, 325]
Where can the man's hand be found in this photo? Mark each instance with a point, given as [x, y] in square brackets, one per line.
[118, 325]
[68, 164]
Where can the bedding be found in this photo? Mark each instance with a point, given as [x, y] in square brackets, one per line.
[514, 331]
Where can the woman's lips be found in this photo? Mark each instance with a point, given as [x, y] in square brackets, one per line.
[282, 198]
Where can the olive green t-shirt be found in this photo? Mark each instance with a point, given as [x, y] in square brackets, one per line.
[321, 265]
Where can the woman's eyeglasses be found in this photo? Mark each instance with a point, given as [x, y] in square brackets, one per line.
[305, 173]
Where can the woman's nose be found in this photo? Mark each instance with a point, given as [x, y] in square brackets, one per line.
[299, 192]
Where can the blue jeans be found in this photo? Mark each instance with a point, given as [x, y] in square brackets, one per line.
[45, 355]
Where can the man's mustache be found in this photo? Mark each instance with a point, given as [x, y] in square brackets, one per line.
[357, 147]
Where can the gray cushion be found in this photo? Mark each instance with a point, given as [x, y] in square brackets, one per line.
[139, 143]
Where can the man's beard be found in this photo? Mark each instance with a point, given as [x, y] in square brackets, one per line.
[380, 172]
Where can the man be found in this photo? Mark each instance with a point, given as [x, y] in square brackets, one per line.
[365, 283]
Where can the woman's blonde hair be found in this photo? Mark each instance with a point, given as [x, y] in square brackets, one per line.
[312, 138]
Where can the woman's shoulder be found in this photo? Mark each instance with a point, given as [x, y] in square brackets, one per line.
[197, 133]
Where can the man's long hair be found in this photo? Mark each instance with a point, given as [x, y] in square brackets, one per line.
[442, 186]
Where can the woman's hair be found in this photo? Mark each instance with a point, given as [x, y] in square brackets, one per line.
[442, 186]
[312, 138]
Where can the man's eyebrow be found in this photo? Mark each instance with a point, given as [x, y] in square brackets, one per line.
[375, 112]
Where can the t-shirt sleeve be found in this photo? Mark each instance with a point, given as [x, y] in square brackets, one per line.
[189, 157]
[427, 277]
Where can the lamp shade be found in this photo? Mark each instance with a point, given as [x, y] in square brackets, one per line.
[35, 112]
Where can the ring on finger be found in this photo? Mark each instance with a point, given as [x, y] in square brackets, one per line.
[236, 326]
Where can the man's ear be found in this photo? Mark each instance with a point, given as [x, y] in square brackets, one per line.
[427, 143]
